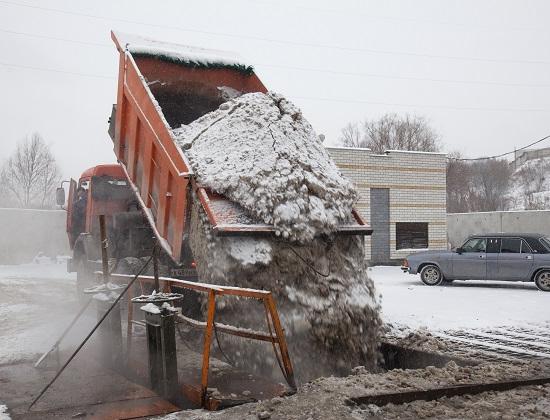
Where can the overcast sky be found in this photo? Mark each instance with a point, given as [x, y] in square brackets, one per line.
[479, 71]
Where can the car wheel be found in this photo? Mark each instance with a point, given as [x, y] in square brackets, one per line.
[542, 280]
[431, 275]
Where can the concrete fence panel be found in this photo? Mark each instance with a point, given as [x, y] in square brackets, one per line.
[462, 225]
[26, 232]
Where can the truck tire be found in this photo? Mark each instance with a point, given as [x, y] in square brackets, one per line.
[542, 280]
[431, 275]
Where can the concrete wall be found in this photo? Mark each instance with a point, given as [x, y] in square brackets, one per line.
[525, 155]
[25, 232]
[461, 225]
[417, 184]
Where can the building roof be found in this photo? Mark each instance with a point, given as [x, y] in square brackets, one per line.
[511, 235]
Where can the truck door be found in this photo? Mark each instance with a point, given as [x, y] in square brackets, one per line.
[70, 203]
[471, 262]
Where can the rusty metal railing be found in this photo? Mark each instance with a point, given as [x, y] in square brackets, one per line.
[275, 334]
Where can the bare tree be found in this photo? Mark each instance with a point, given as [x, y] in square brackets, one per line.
[351, 136]
[31, 174]
[392, 132]
[478, 186]
[459, 185]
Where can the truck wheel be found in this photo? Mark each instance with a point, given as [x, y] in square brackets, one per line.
[542, 280]
[431, 275]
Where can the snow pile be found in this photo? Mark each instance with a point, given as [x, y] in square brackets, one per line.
[154, 309]
[326, 302]
[151, 308]
[4, 415]
[259, 151]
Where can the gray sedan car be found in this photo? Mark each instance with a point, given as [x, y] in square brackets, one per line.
[500, 256]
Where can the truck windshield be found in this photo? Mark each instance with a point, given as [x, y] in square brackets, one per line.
[109, 188]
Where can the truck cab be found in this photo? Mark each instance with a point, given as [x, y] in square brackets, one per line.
[103, 190]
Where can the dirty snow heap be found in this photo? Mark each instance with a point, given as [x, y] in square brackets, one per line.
[258, 151]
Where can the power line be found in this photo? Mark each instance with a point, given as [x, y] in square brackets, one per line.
[318, 70]
[278, 41]
[312, 98]
[422, 79]
[53, 38]
[503, 154]
[73, 73]
[458, 108]
[397, 19]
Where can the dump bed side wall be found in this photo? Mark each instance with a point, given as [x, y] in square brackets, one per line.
[155, 166]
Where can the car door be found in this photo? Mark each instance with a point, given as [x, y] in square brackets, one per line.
[515, 259]
[470, 262]
[492, 253]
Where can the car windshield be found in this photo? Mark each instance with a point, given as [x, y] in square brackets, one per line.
[546, 242]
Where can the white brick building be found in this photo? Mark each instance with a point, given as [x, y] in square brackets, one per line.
[403, 197]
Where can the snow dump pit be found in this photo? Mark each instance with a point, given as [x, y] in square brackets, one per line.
[399, 357]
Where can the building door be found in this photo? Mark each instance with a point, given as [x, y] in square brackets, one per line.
[380, 223]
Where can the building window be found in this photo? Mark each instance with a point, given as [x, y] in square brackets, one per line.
[411, 235]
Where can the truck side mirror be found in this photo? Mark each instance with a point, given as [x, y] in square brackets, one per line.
[60, 196]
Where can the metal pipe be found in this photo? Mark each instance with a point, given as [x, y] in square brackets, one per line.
[156, 267]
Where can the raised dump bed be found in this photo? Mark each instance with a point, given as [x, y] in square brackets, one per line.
[160, 87]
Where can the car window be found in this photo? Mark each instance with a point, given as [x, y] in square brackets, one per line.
[546, 242]
[510, 246]
[493, 245]
[475, 245]
[525, 248]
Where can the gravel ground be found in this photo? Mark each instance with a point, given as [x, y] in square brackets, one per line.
[329, 397]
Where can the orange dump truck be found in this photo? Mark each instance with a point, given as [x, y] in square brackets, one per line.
[148, 194]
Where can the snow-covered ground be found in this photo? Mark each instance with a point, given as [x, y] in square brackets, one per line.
[4, 412]
[406, 301]
[37, 302]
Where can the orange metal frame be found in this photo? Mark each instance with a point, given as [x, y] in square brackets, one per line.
[275, 335]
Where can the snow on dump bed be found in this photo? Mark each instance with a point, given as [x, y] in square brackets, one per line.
[183, 54]
[259, 151]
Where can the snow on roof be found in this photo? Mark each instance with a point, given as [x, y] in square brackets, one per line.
[418, 152]
[182, 54]
[349, 148]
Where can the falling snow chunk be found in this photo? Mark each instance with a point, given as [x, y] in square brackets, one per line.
[260, 152]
